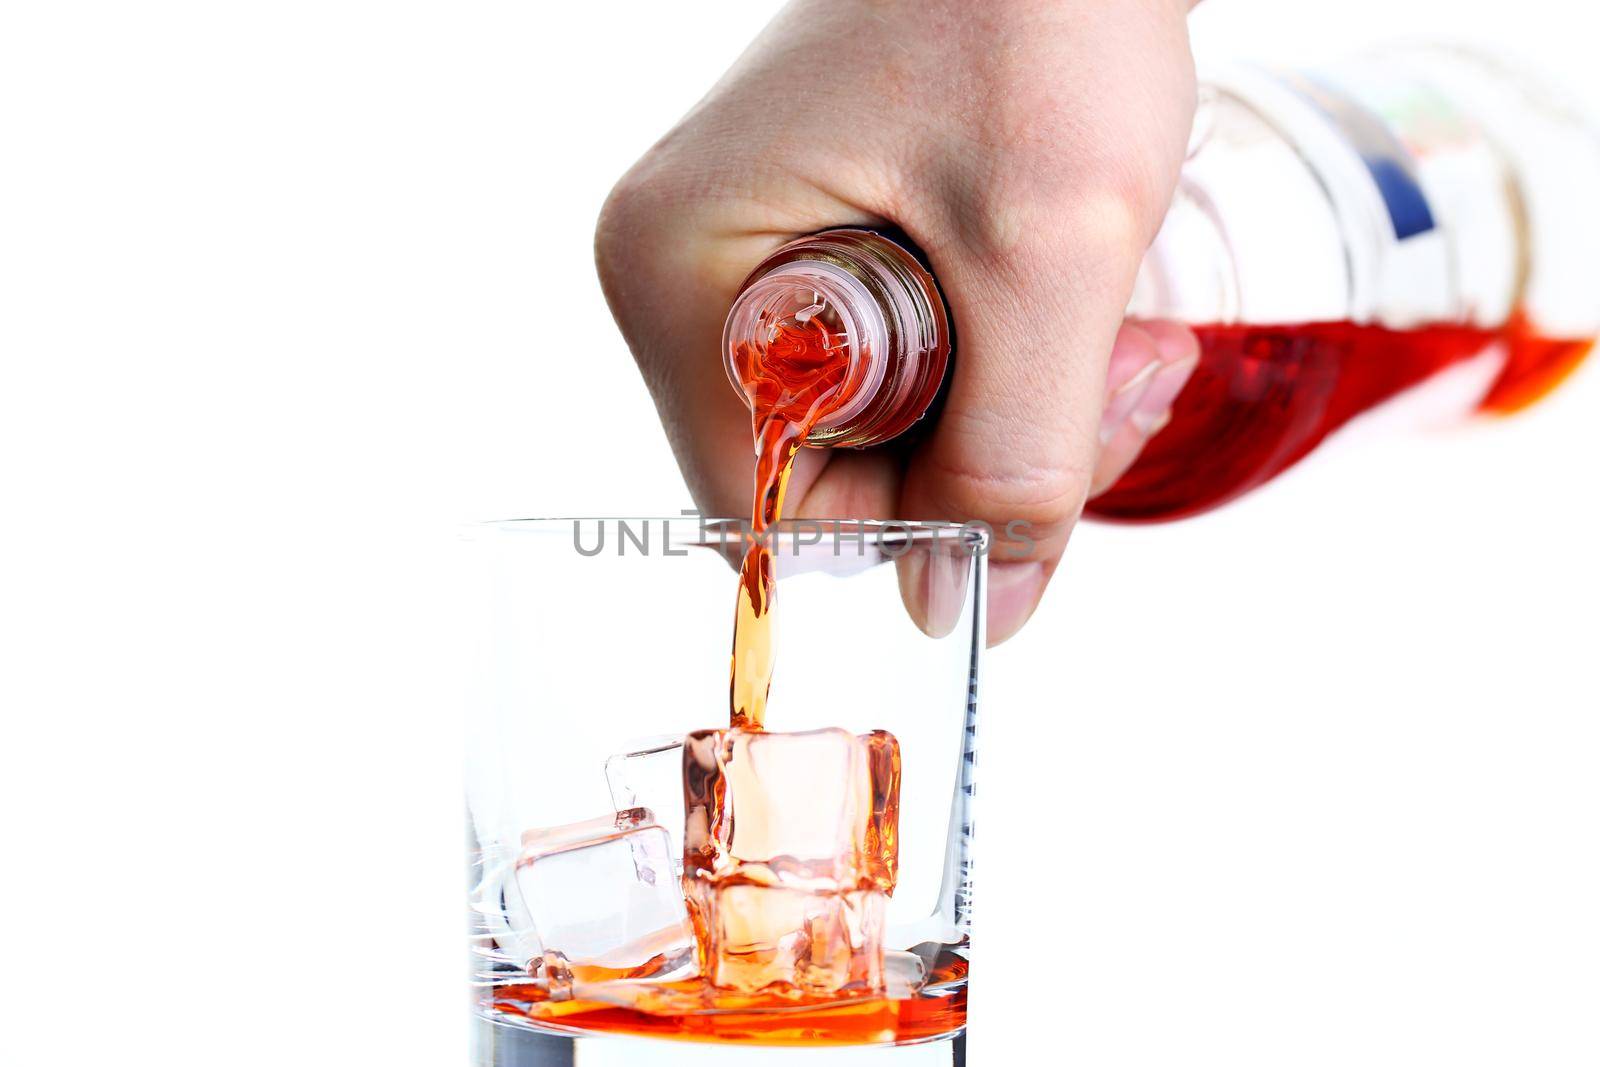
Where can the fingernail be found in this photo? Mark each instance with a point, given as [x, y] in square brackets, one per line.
[1159, 424]
[1124, 399]
[933, 589]
[1154, 408]
[1175, 341]
[1014, 592]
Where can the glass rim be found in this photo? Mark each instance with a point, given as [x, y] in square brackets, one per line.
[719, 529]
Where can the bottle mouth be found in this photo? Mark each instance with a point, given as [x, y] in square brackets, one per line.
[820, 296]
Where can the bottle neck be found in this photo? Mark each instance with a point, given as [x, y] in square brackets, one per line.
[850, 316]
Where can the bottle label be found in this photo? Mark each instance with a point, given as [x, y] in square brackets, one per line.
[1393, 170]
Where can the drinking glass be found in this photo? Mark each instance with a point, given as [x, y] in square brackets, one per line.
[603, 643]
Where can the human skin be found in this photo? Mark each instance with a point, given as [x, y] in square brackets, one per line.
[1030, 148]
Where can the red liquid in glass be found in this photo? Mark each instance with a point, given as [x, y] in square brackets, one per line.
[939, 1009]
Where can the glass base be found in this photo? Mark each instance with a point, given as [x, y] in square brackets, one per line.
[502, 1045]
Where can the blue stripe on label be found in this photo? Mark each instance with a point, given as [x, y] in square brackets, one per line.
[1407, 204]
[1386, 158]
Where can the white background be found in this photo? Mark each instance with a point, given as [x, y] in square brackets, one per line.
[289, 291]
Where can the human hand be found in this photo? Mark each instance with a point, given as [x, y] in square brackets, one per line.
[1030, 148]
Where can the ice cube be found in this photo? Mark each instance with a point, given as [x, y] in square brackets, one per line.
[904, 973]
[790, 852]
[767, 937]
[819, 809]
[883, 829]
[662, 957]
[602, 892]
[648, 773]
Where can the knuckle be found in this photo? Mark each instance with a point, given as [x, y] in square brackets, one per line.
[1112, 215]
[630, 211]
[1006, 221]
[1022, 224]
[1038, 180]
[1046, 493]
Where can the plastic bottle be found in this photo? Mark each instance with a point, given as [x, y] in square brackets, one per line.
[1420, 225]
